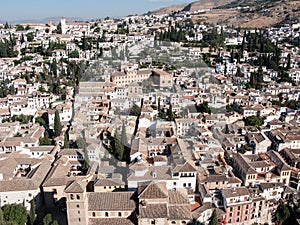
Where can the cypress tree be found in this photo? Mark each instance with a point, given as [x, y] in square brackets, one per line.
[118, 148]
[214, 218]
[123, 135]
[171, 116]
[57, 124]
[54, 67]
[32, 215]
[47, 220]
[66, 141]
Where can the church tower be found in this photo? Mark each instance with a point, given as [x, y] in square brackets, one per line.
[63, 25]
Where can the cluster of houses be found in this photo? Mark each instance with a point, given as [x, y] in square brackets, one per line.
[182, 163]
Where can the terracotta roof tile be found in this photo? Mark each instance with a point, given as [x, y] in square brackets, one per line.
[110, 221]
[154, 211]
[111, 201]
[154, 190]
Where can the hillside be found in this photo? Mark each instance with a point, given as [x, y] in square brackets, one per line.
[243, 13]
[167, 10]
[205, 4]
[194, 6]
[255, 13]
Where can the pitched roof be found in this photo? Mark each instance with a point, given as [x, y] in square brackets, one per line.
[108, 182]
[278, 160]
[178, 196]
[110, 221]
[111, 201]
[179, 212]
[74, 187]
[154, 190]
[235, 192]
[240, 160]
[186, 167]
[159, 210]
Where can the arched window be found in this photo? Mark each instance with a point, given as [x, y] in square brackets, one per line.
[71, 196]
[78, 197]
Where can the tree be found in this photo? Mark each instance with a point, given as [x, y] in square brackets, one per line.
[19, 27]
[30, 37]
[282, 213]
[40, 121]
[239, 72]
[2, 221]
[74, 54]
[45, 140]
[32, 215]
[253, 121]
[171, 116]
[54, 67]
[15, 213]
[124, 140]
[58, 28]
[203, 108]
[86, 159]
[57, 124]
[214, 218]
[135, 110]
[47, 220]
[66, 141]
[6, 26]
[288, 64]
[117, 148]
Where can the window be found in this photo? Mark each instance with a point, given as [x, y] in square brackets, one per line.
[78, 212]
[119, 214]
[77, 206]
[79, 219]
[173, 222]
[71, 196]
[152, 221]
[78, 197]
[106, 214]
[93, 214]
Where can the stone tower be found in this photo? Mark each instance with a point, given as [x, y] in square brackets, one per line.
[63, 25]
[77, 203]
